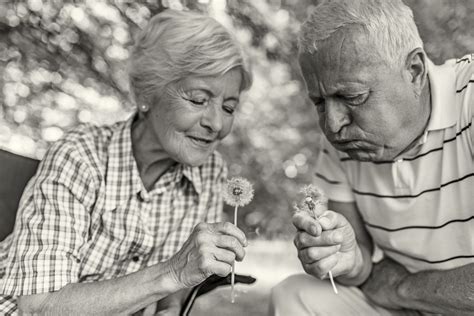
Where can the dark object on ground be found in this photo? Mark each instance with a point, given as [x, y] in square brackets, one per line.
[210, 284]
[15, 172]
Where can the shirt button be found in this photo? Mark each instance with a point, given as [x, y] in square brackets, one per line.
[136, 258]
[144, 196]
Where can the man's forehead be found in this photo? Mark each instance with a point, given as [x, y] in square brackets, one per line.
[342, 61]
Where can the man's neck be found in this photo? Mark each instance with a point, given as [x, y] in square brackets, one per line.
[425, 103]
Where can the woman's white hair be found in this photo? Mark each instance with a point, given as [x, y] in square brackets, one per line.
[176, 44]
[389, 24]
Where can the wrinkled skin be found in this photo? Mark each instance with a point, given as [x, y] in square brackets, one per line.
[366, 109]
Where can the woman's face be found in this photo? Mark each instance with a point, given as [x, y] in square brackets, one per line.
[192, 116]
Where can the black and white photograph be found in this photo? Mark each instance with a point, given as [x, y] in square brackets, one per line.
[237, 157]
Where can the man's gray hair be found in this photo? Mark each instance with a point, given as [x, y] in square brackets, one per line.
[177, 44]
[389, 24]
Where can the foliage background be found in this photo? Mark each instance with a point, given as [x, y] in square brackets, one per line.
[63, 63]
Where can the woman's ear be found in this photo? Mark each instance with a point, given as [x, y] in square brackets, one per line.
[143, 108]
[415, 65]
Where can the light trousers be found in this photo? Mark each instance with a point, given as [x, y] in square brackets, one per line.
[305, 295]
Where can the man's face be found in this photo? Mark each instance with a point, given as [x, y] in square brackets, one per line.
[366, 109]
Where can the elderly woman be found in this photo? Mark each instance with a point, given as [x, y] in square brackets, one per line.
[123, 216]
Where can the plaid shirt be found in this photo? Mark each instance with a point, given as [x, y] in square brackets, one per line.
[87, 217]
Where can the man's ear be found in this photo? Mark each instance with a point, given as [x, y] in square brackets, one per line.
[415, 65]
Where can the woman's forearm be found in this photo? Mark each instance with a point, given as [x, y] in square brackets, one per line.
[121, 296]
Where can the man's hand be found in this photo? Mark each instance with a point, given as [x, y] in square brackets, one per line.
[326, 244]
[210, 249]
[382, 284]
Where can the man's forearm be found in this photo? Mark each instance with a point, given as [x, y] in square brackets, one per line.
[121, 296]
[441, 291]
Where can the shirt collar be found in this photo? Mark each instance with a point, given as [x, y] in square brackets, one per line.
[443, 87]
[122, 177]
[193, 174]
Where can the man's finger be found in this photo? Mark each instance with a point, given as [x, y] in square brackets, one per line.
[331, 220]
[313, 254]
[303, 221]
[321, 268]
[326, 238]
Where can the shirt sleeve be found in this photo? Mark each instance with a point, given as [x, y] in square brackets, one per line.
[216, 203]
[52, 225]
[330, 175]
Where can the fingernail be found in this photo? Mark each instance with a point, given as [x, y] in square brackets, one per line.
[314, 230]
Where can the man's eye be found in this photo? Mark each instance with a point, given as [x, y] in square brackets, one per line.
[356, 99]
[319, 104]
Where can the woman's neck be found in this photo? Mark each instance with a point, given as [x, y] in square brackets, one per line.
[152, 160]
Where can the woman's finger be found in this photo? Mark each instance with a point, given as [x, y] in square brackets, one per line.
[232, 244]
[225, 256]
[227, 228]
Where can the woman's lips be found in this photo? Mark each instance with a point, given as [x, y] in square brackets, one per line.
[201, 141]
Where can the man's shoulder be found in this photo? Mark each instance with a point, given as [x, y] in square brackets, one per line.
[464, 70]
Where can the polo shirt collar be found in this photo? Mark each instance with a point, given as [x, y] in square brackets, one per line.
[442, 85]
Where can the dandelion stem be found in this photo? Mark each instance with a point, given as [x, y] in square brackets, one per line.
[332, 282]
[232, 276]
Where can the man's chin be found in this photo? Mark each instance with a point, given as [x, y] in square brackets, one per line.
[361, 155]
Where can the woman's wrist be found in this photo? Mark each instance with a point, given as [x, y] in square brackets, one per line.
[165, 280]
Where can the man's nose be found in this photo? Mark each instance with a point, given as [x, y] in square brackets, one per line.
[336, 116]
[212, 118]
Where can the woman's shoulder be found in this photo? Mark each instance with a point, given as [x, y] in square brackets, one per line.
[86, 144]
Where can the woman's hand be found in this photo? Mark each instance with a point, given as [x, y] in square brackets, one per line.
[211, 249]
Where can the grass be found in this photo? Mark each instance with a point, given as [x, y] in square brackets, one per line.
[268, 261]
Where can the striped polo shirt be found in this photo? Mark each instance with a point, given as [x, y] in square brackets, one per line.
[419, 209]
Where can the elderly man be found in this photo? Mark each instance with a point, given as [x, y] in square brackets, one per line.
[399, 174]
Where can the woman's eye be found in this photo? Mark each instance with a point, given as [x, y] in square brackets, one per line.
[198, 101]
[229, 109]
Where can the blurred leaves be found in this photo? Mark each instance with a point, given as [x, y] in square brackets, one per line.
[63, 63]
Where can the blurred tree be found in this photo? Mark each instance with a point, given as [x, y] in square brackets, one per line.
[63, 63]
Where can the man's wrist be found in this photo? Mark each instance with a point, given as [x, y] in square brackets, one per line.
[359, 272]
[358, 266]
[403, 291]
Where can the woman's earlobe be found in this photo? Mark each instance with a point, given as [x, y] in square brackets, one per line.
[143, 107]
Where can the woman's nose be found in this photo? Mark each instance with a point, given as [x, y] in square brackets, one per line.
[212, 118]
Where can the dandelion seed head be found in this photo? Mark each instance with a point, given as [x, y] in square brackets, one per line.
[238, 192]
[314, 201]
